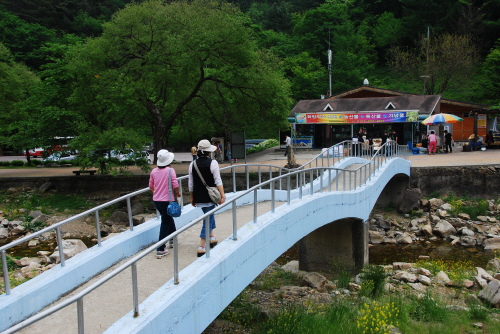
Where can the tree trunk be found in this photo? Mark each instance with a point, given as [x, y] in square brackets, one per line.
[28, 157]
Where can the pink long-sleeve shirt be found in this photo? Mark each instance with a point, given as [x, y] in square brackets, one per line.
[158, 180]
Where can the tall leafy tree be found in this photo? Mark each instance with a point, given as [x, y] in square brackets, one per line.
[437, 63]
[490, 83]
[17, 129]
[156, 62]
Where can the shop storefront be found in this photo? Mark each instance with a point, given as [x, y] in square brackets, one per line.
[323, 123]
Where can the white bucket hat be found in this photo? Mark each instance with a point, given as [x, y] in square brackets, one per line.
[165, 158]
[205, 146]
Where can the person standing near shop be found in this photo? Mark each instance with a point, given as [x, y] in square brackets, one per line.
[288, 143]
[198, 193]
[194, 151]
[448, 140]
[165, 187]
[432, 143]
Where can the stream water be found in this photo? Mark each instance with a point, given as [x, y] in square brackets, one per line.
[389, 253]
[378, 254]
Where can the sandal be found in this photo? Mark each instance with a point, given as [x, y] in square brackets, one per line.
[213, 242]
[201, 251]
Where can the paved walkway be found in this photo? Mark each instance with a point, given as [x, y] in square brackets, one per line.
[273, 157]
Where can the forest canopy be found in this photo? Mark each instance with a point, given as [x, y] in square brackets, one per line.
[172, 71]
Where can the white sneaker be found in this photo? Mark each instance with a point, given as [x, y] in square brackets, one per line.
[160, 254]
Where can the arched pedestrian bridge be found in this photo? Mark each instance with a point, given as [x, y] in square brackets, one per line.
[323, 205]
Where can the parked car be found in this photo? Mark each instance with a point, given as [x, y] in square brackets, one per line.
[249, 143]
[36, 152]
[60, 157]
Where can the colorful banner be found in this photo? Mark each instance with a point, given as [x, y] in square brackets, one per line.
[344, 118]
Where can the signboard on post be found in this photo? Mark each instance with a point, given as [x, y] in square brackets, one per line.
[238, 149]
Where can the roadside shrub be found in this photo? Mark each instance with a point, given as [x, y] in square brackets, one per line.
[17, 163]
[263, 145]
[127, 162]
[4, 163]
[36, 162]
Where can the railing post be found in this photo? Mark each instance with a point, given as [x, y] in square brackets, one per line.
[260, 179]
[60, 246]
[176, 261]
[5, 270]
[235, 225]
[288, 186]
[311, 182]
[248, 177]
[207, 236]
[98, 228]
[321, 173]
[255, 206]
[329, 180]
[129, 210]
[272, 197]
[234, 178]
[299, 175]
[79, 310]
[135, 290]
[182, 194]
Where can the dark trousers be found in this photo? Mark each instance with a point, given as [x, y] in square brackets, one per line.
[286, 150]
[167, 223]
[448, 147]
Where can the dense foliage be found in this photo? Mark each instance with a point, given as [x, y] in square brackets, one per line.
[119, 73]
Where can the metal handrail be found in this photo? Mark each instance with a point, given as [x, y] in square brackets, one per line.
[340, 147]
[377, 160]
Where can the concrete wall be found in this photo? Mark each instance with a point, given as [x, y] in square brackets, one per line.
[474, 181]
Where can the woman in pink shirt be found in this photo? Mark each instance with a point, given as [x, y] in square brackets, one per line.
[163, 183]
[432, 143]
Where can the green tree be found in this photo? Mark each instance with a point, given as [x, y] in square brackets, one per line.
[437, 63]
[15, 83]
[157, 62]
[353, 57]
[490, 83]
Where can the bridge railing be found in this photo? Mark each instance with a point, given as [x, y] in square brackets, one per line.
[308, 180]
[327, 157]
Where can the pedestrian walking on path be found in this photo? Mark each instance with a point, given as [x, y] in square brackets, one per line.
[198, 193]
[165, 187]
[288, 143]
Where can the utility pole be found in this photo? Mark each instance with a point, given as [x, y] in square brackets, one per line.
[329, 64]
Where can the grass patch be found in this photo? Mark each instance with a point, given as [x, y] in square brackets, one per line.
[47, 203]
[456, 270]
[277, 278]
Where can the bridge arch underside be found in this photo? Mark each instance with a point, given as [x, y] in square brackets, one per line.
[209, 284]
[343, 241]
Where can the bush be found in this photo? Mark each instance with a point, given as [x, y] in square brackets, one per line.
[18, 163]
[4, 163]
[36, 162]
[263, 145]
[376, 275]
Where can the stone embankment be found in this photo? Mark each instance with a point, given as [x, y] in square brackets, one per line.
[429, 220]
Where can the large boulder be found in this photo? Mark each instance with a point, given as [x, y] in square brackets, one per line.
[71, 247]
[411, 200]
[435, 203]
[491, 294]
[492, 243]
[444, 229]
[4, 233]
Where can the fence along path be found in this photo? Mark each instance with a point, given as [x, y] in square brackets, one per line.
[111, 301]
